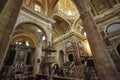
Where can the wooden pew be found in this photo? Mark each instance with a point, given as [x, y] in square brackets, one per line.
[39, 77]
[60, 78]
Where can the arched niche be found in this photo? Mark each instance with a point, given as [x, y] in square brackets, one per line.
[61, 57]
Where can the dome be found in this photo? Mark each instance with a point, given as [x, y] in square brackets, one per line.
[67, 7]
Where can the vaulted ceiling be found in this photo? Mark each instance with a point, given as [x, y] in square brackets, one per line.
[61, 27]
[27, 32]
[63, 15]
[66, 15]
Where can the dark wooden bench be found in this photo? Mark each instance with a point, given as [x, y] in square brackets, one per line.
[58, 78]
[39, 77]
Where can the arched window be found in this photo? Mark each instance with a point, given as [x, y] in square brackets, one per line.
[113, 30]
[37, 8]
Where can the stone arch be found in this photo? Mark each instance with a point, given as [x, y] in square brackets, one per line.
[27, 36]
[22, 31]
[56, 14]
[109, 29]
[77, 21]
[77, 25]
[39, 27]
[26, 19]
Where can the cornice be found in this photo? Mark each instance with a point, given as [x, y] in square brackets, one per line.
[72, 17]
[108, 14]
[68, 35]
[39, 15]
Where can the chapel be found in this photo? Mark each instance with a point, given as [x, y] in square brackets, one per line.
[59, 39]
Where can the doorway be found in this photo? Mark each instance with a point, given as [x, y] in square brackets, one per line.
[118, 49]
[61, 57]
[70, 57]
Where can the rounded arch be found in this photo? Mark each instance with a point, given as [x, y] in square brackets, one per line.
[112, 28]
[35, 25]
[42, 25]
[25, 36]
[78, 20]
[25, 32]
[76, 24]
[60, 27]
[57, 14]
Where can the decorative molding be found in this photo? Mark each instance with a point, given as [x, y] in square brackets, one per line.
[68, 35]
[43, 22]
[39, 15]
[108, 13]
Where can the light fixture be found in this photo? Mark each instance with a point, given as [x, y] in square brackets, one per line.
[43, 38]
[27, 43]
[85, 34]
[36, 9]
[20, 43]
[16, 42]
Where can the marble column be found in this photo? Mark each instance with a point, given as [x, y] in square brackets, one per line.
[8, 18]
[38, 54]
[103, 62]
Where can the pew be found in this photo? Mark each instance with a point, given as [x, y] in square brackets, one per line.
[40, 77]
[60, 78]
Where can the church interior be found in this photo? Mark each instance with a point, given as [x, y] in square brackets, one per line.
[59, 39]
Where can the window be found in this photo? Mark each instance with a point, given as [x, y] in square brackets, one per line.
[113, 29]
[37, 8]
